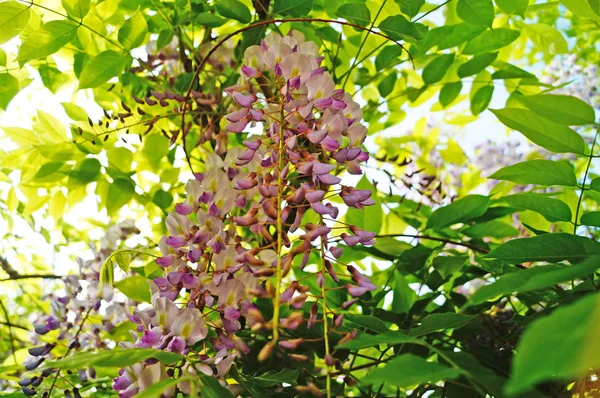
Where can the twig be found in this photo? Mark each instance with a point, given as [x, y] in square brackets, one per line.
[34, 276]
[443, 240]
[10, 331]
[587, 169]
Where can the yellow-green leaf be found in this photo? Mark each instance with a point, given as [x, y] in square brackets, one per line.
[50, 38]
[133, 31]
[76, 8]
[101, 68]
[14, 17]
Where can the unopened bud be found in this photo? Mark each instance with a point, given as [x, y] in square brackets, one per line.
[266, 352]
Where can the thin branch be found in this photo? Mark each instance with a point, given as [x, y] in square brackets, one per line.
[362, 43]
[10, 331]
[33, 276]
[5, 265]
[14, 325]
[587, 169]
[443, 240]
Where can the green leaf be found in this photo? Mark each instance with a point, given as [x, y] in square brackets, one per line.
[399, 28]
[482, 98]
[123, 258]
[437, 68]
[388, 57]
[9, 87]
[386, 86]
[410, 7]
[365, 340]
[552, 209]
[404, 296]
[548, 247]
[24, 138]
[156, 147]
[135, 287]
[554, 137]
[101, 68]
[449, 36]
[209, 387]
[546, 38]
[462, 210]
[562, 109]
[118, 358]
[447, 265]
[119, 194]
[449, 92]
[88, 171]
[581, 8]
[2, 57]
[234, 9]
[441, 321]
[366, 321]
[561, 346]
[273, 378]
[356, 13]
[508, 71]
[408, 370]
[50, 38]
[591, 218]
[491, 40]
[535, 278]
[14, 17]
[294, 8]
[208, 19]
[156, 390]
[515, 7]
[476, 12]
[540, 172]
[476, 64]
[371, 217]
[491, 229]
[76, 8]
[133, 32]
[162, 199]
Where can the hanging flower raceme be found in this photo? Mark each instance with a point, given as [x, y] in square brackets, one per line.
[241, 228]
[70, 325]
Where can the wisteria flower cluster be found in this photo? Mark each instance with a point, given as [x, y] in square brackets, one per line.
[236, 236]
[70, 323]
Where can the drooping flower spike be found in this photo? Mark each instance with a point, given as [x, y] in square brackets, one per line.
[237, 235]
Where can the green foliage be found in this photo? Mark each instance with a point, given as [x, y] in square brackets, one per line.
[476, 12]
[133, 31]
[542, 172]
[546, 247]
[552, 209]
[14, 17]
[464, 209]
[47, 40]
[537, 278]
[234, 9]
[560, 109]
[552, 136]
[565, 353]
[408, 369]
[101, 68]
[356, 13]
